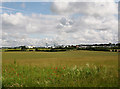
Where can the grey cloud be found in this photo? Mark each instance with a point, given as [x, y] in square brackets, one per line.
[87, 8]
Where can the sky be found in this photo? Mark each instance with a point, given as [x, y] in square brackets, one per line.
[58, 23]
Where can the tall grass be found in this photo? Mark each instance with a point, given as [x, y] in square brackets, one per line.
[60, 69]
[89, 75]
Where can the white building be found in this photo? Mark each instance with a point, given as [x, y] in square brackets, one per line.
[30, 46]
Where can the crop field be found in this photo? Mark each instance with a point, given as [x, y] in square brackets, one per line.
[60, 69]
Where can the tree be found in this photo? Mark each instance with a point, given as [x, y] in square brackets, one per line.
[23, 48]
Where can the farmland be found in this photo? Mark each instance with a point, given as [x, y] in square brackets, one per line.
[60, 69]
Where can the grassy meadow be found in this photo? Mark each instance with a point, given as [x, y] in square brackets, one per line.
[60, 69]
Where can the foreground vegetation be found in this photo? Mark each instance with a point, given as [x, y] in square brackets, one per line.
[60, 69]
[88, 75]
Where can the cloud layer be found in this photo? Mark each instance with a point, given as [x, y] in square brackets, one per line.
[72, 23]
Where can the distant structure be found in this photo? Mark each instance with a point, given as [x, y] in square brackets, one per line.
[114, 50]
[30, 47]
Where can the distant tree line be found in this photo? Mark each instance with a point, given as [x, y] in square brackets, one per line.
[93, 47]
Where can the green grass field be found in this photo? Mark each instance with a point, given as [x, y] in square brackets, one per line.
[60, 69]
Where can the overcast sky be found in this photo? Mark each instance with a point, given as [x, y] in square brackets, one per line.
[38, 23]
